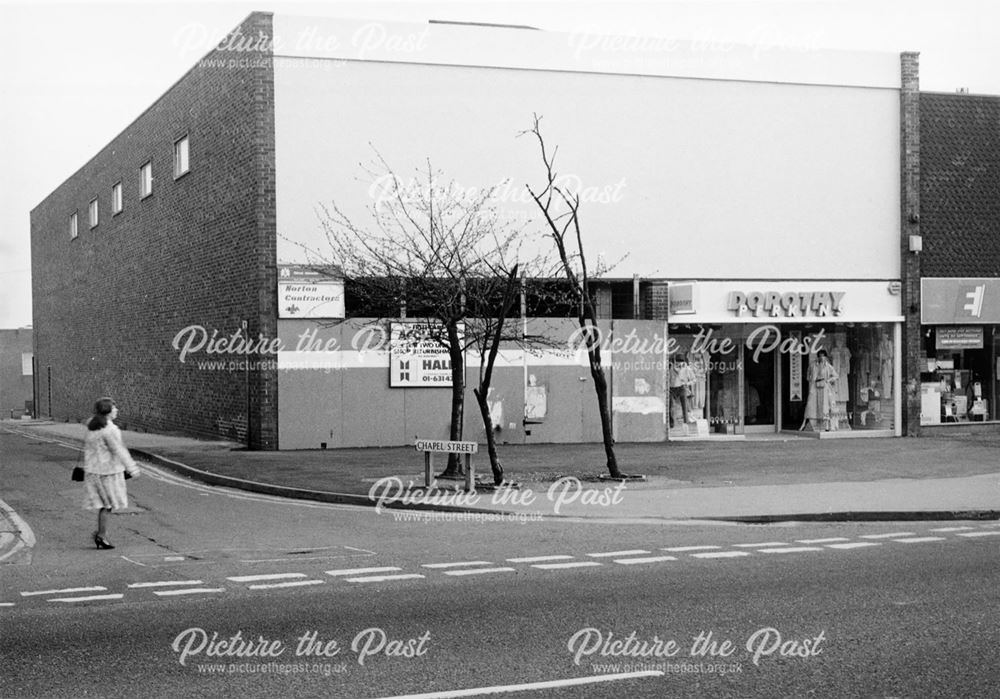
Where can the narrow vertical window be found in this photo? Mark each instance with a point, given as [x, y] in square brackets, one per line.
[181, 164]
[92, 213]
[73, 226]
[146, 180]
[116, 198]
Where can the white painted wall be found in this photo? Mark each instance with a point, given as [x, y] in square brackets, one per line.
[764, 177]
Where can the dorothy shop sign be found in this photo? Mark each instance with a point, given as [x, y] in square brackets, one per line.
[786, 304]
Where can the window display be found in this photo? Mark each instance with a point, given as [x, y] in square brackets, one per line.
[759, 377]
[961, 375]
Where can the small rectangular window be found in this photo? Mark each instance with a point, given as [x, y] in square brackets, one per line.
[181, 164]
[116, 198]
[92, 213]
[73, 226]
[146, 180]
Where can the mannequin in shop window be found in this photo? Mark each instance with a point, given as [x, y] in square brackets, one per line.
[822, 399]
[682, 381]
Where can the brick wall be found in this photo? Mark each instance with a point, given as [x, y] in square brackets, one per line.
[15, 385]
[654, 302]
[960, 185]
[200, 251]
[909, 135]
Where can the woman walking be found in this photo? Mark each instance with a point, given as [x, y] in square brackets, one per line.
[106, 462]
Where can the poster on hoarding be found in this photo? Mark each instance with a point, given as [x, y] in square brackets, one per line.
[418, 355]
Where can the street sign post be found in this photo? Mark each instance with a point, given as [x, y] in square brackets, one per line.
[435, 446]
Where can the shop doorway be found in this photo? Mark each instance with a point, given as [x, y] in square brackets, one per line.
[759, 390]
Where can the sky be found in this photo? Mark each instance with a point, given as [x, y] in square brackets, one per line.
[74, 74]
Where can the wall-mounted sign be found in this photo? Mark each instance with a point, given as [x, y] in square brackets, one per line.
[777, 304]
[418, 355]
[959, 300]
[306, 292]
[681, 297]
[961, 337]
[754, 301]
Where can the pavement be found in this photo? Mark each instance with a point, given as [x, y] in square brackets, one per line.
[777, 478]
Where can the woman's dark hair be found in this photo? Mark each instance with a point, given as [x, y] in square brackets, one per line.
[822, 353]
[102, 408]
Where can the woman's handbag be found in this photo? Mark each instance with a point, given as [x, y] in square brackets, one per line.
[78, 469]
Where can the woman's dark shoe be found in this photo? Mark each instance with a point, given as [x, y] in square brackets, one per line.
[101, 542]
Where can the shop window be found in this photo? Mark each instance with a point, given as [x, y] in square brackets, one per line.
[960, 381]
[768, 377]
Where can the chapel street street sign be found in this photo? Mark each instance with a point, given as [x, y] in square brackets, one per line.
[445, 447]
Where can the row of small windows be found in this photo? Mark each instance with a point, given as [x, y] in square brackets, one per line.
[181, 166]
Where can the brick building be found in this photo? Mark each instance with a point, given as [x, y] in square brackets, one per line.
[765, 205]
[960, 260]
[16, 373]
[133, 246]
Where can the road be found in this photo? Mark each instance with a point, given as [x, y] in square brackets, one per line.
[214, 592]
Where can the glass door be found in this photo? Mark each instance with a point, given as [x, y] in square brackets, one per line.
[759, 405]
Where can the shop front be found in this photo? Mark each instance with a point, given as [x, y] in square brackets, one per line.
[819, 359]
[960, 322]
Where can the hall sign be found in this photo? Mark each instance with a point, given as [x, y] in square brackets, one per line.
[786, 304]
[418, 355]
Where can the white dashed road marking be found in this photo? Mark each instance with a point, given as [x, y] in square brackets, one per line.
[457, 565]
[972, 534]
[362, 571]
[766, 543]
[382, 578]
[647, 559]
[853, 545]
[293, 583]
[791, 549]
[187, 591]
[721, 554]
[273, 576]
[166, 583]
[90, 598]
[682, 549]
[539, 559]
[830, 540]
[612, 554]
[559, 566]
[65, 591]
[952, 529]
[890, 535]
[479, 571]
[919, 539]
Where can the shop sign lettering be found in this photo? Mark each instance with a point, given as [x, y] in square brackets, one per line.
[789, 304]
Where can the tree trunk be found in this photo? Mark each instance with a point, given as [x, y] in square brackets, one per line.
[455, 467]
[601, 387]
[491, 442]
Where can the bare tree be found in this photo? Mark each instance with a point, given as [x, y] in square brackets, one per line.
[440, 252]
[560, 209]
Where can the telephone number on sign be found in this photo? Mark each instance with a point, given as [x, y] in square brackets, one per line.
[434, 379]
